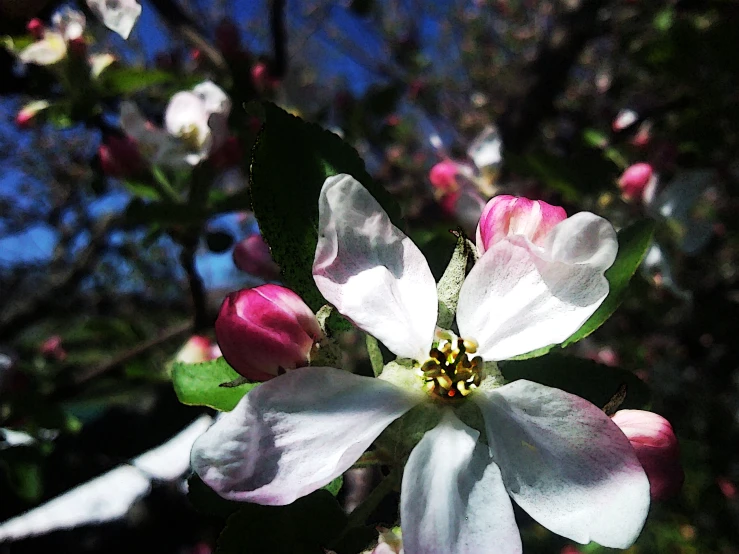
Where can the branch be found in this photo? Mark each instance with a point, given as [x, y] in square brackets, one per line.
[547, 75]
[189, 31]
[27, 310]
[126, 356]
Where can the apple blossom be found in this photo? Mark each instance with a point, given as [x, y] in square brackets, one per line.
[66, 33]
[624, 118]
[52, 348]
[200, 119]
[155, 145]
[657, 449]
[28, 113]
[117, 15]
[252, 256]
[557, 456]
[266, 330]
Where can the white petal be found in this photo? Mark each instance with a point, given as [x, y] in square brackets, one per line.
[48, 51]
[294, 434]
[566, 463]
[214, 99]
[117, 15]
[520, 296]
[185, 115]
[371, 271]
[452, 498]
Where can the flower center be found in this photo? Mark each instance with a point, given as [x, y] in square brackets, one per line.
[449, 373]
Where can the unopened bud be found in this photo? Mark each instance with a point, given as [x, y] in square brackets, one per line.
[635, 180]
[252, 256]
[52, 348]
[120, 157]
[266, 330]
[443, 176]
[507, 215]
[657, 449]
[36, 28]
[196, 350]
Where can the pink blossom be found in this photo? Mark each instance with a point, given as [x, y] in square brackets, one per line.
[657, 449]
[508, 215]
[635, 180]
[443, 176]
[265, 330]
[52, 348]
[252, 255]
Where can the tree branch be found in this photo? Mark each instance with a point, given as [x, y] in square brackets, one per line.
[547, 75]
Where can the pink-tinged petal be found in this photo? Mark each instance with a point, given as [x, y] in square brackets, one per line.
[506, 215]
[521, 296]
[566, 463]
[452, 498]
[296, 433]
[371, 271]
[657, 449]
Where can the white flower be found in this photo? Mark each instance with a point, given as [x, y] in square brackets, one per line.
[485, 150]
[200, 118]
[559, 457]
[155, 144]
[67, 25]
[117, 15]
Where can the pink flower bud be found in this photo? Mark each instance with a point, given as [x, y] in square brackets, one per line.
[261, 77]
[36, 28]
[252, 256]
[24, 118]
[266, 330]
[508, 215]
[443, 176]
[196, 350]
[120, 157]
[656, 447]
[52, 348]
[634, 180]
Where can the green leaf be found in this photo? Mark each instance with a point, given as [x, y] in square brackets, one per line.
[142, 190]
[290, 161]
[375, 354]
[334, 486]
[127, 80]
[633, 243]
[585, 378]
[451, 281]
[304, 527]
[200, 384]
